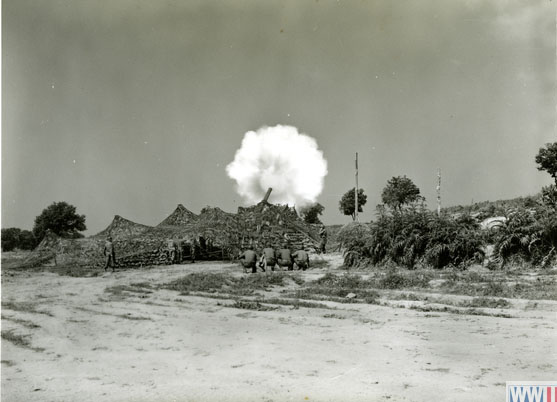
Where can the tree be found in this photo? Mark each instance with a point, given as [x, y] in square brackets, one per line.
[13, 238]
[400, 191]
[547, 159]
[60, 218]
[10, 238]
[346, 203]
[27, 240]
[549, 196]
[310, 213]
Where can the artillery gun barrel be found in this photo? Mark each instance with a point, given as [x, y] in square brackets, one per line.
[267, 194]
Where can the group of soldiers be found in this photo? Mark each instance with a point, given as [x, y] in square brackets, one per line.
[269, 258]
[177, 249]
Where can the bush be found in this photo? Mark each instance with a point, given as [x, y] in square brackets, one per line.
[529, 235]
[354, 238]
[413, 237]
[393, 280]
[13, 238]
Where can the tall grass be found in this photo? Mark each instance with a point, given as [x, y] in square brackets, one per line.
[411, 238]
[529, 235]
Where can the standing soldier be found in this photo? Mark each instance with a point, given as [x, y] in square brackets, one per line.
[301, 259]
[171, 247]
[249, 260]
[268, 258]
[193, 244]
[323, 236]
[179, 247]
[109, 254]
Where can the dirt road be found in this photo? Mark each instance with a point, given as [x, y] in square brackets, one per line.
[73, 340]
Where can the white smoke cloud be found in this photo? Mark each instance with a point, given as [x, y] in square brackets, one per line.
[282, 158]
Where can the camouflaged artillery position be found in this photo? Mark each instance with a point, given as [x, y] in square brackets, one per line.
[213, 234]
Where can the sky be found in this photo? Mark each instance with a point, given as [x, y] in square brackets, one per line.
[131, 107]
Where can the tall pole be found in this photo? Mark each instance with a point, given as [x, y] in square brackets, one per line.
[356, 192]
[438, 191]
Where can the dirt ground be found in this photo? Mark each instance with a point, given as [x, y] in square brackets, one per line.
[73, 340]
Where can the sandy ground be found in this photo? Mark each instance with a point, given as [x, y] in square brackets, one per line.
[86, 344]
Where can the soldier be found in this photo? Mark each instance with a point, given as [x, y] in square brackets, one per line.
[268, 258]
[249, 260]
[109, 254]
[301, 259]
[193, 244]
[171, 247]
[178, 245]
[323, 236]
[284, 258]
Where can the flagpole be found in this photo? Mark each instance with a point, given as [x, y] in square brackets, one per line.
[438, 191]
[356, 192]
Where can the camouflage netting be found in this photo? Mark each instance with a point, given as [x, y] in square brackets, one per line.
[277, 226]
[121, 228]
[180, 216]
[218, 235]
[54, 250]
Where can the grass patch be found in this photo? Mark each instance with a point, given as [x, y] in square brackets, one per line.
[19, 340]
[132, 317]
[218, 282]
[25, 323]
[486, 302]
[75, 271]
[125, 290]
[260, 304]
[409, 297]
[294, 302]
[336, 287]
[145, 285]
[200, 282]
[452, 310]
[341, 281]
[125, 316]
[337, 316]
[489, 289]
[483, 302]
[249, 305]
[400, 279]
[541, 288]
[26, 307]
[308, 293]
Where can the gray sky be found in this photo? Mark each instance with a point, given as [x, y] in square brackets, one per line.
[131, 107]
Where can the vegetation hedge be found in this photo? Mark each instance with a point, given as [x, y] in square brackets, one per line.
[419, 238]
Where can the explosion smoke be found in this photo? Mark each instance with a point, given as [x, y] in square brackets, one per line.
[282, 158]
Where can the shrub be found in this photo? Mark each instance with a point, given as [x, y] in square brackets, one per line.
[393, 280]
[530, 235]
[413, 237]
